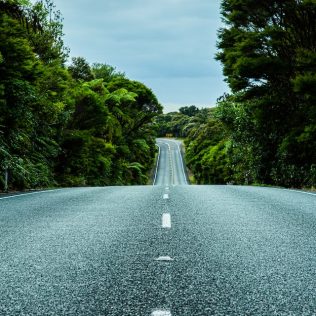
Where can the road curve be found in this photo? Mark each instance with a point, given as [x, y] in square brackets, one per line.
[160, 250]
[170, 166]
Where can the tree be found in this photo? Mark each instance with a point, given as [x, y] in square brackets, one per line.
[268, 50]
[80, 69]
[146, 101]
[29, 108]
[189, 110]
[106, 72]
[47, 38]
[101, 145]
[62, 126]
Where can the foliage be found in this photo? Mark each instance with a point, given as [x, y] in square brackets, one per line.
[189, 110]
[178, 124]
[105, 72]
[265, 131]
[205, 140]
[80, 69]
[78, 125]
[268, 51]
[206, 150]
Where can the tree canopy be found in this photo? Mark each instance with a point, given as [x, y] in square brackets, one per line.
[268, 50]
[265, 130]
[88, 124]
[80, 124]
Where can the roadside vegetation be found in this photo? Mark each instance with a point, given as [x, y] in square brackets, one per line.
[264, 132]
[66, 125]
[268, 50]
[73, 123]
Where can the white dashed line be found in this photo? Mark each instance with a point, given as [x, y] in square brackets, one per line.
[164, 258]
[176, 143]
[168, 146]
[161, 312]
[166, 220]
[166, 196]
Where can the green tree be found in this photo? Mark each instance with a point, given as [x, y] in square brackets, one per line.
[206, 151]
[106, 72]
[80, 69]
[191, 110]
[81, 125]
[268, 52]
[28, 110]
[47, 35]
[104, 122]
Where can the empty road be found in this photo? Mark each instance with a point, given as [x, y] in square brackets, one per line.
[167, 249]
[170, 167]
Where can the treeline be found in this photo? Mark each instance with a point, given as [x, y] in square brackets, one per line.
[265, 131]
[268, 50]
[66, 125]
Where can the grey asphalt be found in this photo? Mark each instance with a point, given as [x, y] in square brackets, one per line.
[236, 250]
[171, 170]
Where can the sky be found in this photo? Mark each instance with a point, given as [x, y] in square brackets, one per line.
[169, 45]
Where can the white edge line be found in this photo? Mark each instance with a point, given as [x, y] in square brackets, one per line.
[303, 192]
[277, 188]
[154, 183]
[185, 178]
[23, 194]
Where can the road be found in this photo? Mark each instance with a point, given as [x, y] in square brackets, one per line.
[170, 165]
[167, 249]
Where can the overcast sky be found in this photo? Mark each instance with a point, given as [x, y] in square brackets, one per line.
[169, 45]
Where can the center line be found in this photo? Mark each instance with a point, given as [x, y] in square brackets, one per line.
[164, 258]
[161, 312]
[166, 196]
[166, 220]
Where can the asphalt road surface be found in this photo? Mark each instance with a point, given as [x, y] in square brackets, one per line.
[170, 167]
[168, 249]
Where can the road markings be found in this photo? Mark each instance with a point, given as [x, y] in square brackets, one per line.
[168, 146]
[164, 258]
[184, 176]
[155, 178]
[161, 312]
[166, 196]
[166, 220]
[304, 192]
[176, 143]
[171, 172]
[23, 194]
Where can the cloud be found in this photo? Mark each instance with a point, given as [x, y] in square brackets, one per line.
[165, 40]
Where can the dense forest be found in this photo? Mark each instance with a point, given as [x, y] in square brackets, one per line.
[264, 132]
[65, 124]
